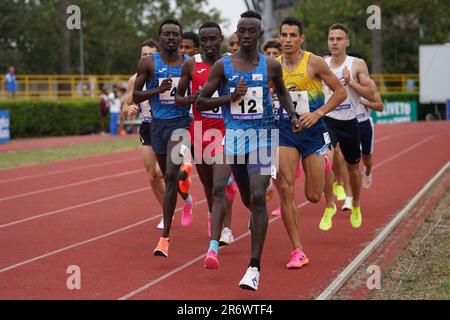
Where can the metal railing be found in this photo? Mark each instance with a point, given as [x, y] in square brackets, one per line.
[44, 86]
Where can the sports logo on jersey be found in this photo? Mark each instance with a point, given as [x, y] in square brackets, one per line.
[232, 78]
[162, 70]
[254, 93]
[291, 86]
[201, 71]
[257, 77]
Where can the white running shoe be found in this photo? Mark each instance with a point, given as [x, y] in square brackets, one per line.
[367, 181]
[226, 237]
[160, 225]
[250, 280]
[347, 204]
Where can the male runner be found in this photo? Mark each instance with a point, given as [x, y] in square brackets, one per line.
[190, 44]
[249, 119]
[155, 176]
[161, 73]
[233, 44]
[342, 123]
[366, 131]
[303, 73]
[272, 48]
[213, 175]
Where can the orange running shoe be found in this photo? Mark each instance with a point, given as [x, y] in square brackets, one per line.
[162, 249]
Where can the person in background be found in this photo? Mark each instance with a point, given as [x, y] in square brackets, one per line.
[233, 44]
[272, 48]
[190, 44]
[104, 109]
[123, 113]
[115, 105]
[11, 83]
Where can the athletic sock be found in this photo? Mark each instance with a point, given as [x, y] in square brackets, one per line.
[255, 263]
[214, 246]
[188, 199]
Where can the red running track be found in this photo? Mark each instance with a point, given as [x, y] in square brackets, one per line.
[99, 214]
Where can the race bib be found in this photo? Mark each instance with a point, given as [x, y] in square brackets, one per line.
[215, 113]
[250, 106]
[168, 97]
[300, 100]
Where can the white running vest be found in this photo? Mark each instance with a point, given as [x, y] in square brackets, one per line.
[146, 112]
[347, 109]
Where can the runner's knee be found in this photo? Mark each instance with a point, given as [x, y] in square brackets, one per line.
[218, 192]
[258, 199]
[171, 176]
[313, 196]
[286, 190]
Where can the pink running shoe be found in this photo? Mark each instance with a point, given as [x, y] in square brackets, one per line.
[231, 191]
[299, 171]
[211, 260]
[276, 212]
[186, 216]
[298, 259]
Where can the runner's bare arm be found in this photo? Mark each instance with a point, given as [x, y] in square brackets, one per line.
[205, 101]
[128, 106]
[276, 75]
[145, 73]
[361, 86]
[377, 103]
[183, 85]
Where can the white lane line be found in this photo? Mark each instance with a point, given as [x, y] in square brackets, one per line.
[342, 278]
[188, 264]
[69, 185]
[45, 174]
[113, 233]
[94, 180]
[80, 205]
[14, 266]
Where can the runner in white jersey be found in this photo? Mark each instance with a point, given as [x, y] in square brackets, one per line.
[366, 131]
[341, 122]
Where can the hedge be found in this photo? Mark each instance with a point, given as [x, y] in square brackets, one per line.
[34, 118]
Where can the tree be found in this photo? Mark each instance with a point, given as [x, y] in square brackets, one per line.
[406, 24]
[34, 36]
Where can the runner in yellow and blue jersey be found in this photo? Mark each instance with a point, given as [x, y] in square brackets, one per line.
[303, 74]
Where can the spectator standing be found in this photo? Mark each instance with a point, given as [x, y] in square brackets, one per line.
[11, 83]
[114, 110]
[104, 109]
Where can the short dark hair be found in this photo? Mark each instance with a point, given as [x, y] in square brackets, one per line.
[192, 36]
[272, 43]
[291, 21]
[150, 43]
[338, 26]
[251, 14]
[210, 25]
[170, 21]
